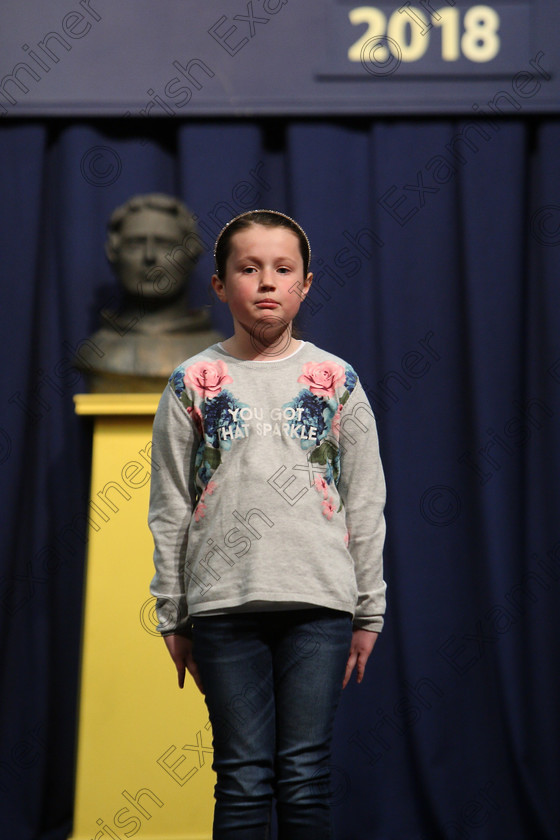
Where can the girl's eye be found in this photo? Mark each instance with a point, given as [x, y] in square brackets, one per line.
[251, 269]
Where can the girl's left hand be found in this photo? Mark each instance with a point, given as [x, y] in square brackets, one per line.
[360, 649]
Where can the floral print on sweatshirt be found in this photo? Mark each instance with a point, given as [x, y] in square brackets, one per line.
[216, 409]
[328, 387]
[216, 417]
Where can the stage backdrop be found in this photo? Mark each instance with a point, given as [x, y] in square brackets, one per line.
[436, 257]
[185, 58]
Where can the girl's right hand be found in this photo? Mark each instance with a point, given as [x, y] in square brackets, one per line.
[180, 649]
[360, 649]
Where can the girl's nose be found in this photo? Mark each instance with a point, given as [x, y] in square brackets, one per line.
[267, 278]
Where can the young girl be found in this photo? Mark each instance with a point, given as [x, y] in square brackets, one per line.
[267, 517]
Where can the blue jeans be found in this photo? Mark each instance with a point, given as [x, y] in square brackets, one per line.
[272, 682]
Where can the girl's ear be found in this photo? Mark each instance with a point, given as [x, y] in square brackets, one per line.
[307, 283]
[219, 287]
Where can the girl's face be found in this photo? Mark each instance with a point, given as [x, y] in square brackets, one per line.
[264, 278]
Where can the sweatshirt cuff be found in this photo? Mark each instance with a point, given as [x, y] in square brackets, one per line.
[184, 629]
[375, 625]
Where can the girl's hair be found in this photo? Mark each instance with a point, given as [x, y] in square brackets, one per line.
[268, 218]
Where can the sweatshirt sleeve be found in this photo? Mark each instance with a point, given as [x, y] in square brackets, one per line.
[362, 489]
[172, 497]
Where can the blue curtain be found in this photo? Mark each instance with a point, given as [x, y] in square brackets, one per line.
[436, 256]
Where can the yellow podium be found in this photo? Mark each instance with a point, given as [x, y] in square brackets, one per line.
[144, 746]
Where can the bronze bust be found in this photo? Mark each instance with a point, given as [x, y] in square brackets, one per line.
[152, 245]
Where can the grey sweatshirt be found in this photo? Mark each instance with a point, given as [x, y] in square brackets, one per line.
[267, 489]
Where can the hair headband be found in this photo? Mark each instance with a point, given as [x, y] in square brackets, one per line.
[272, 212]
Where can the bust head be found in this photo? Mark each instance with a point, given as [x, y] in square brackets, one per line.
[150, 237]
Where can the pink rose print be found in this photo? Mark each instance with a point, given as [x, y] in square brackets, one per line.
[196, 417]
[321, 378]
[199, 510]
[208, 490]
[321, 486]
[346, 539]
[335, 425]
[328, 508]
[207, 378]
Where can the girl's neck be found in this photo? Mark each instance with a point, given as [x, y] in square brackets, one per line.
[247, 348]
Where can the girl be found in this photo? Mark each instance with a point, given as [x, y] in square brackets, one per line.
[267, 517]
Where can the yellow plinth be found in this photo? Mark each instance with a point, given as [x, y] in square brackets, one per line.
[144, 746]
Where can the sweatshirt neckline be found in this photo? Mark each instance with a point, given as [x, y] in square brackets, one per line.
[260, 362]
